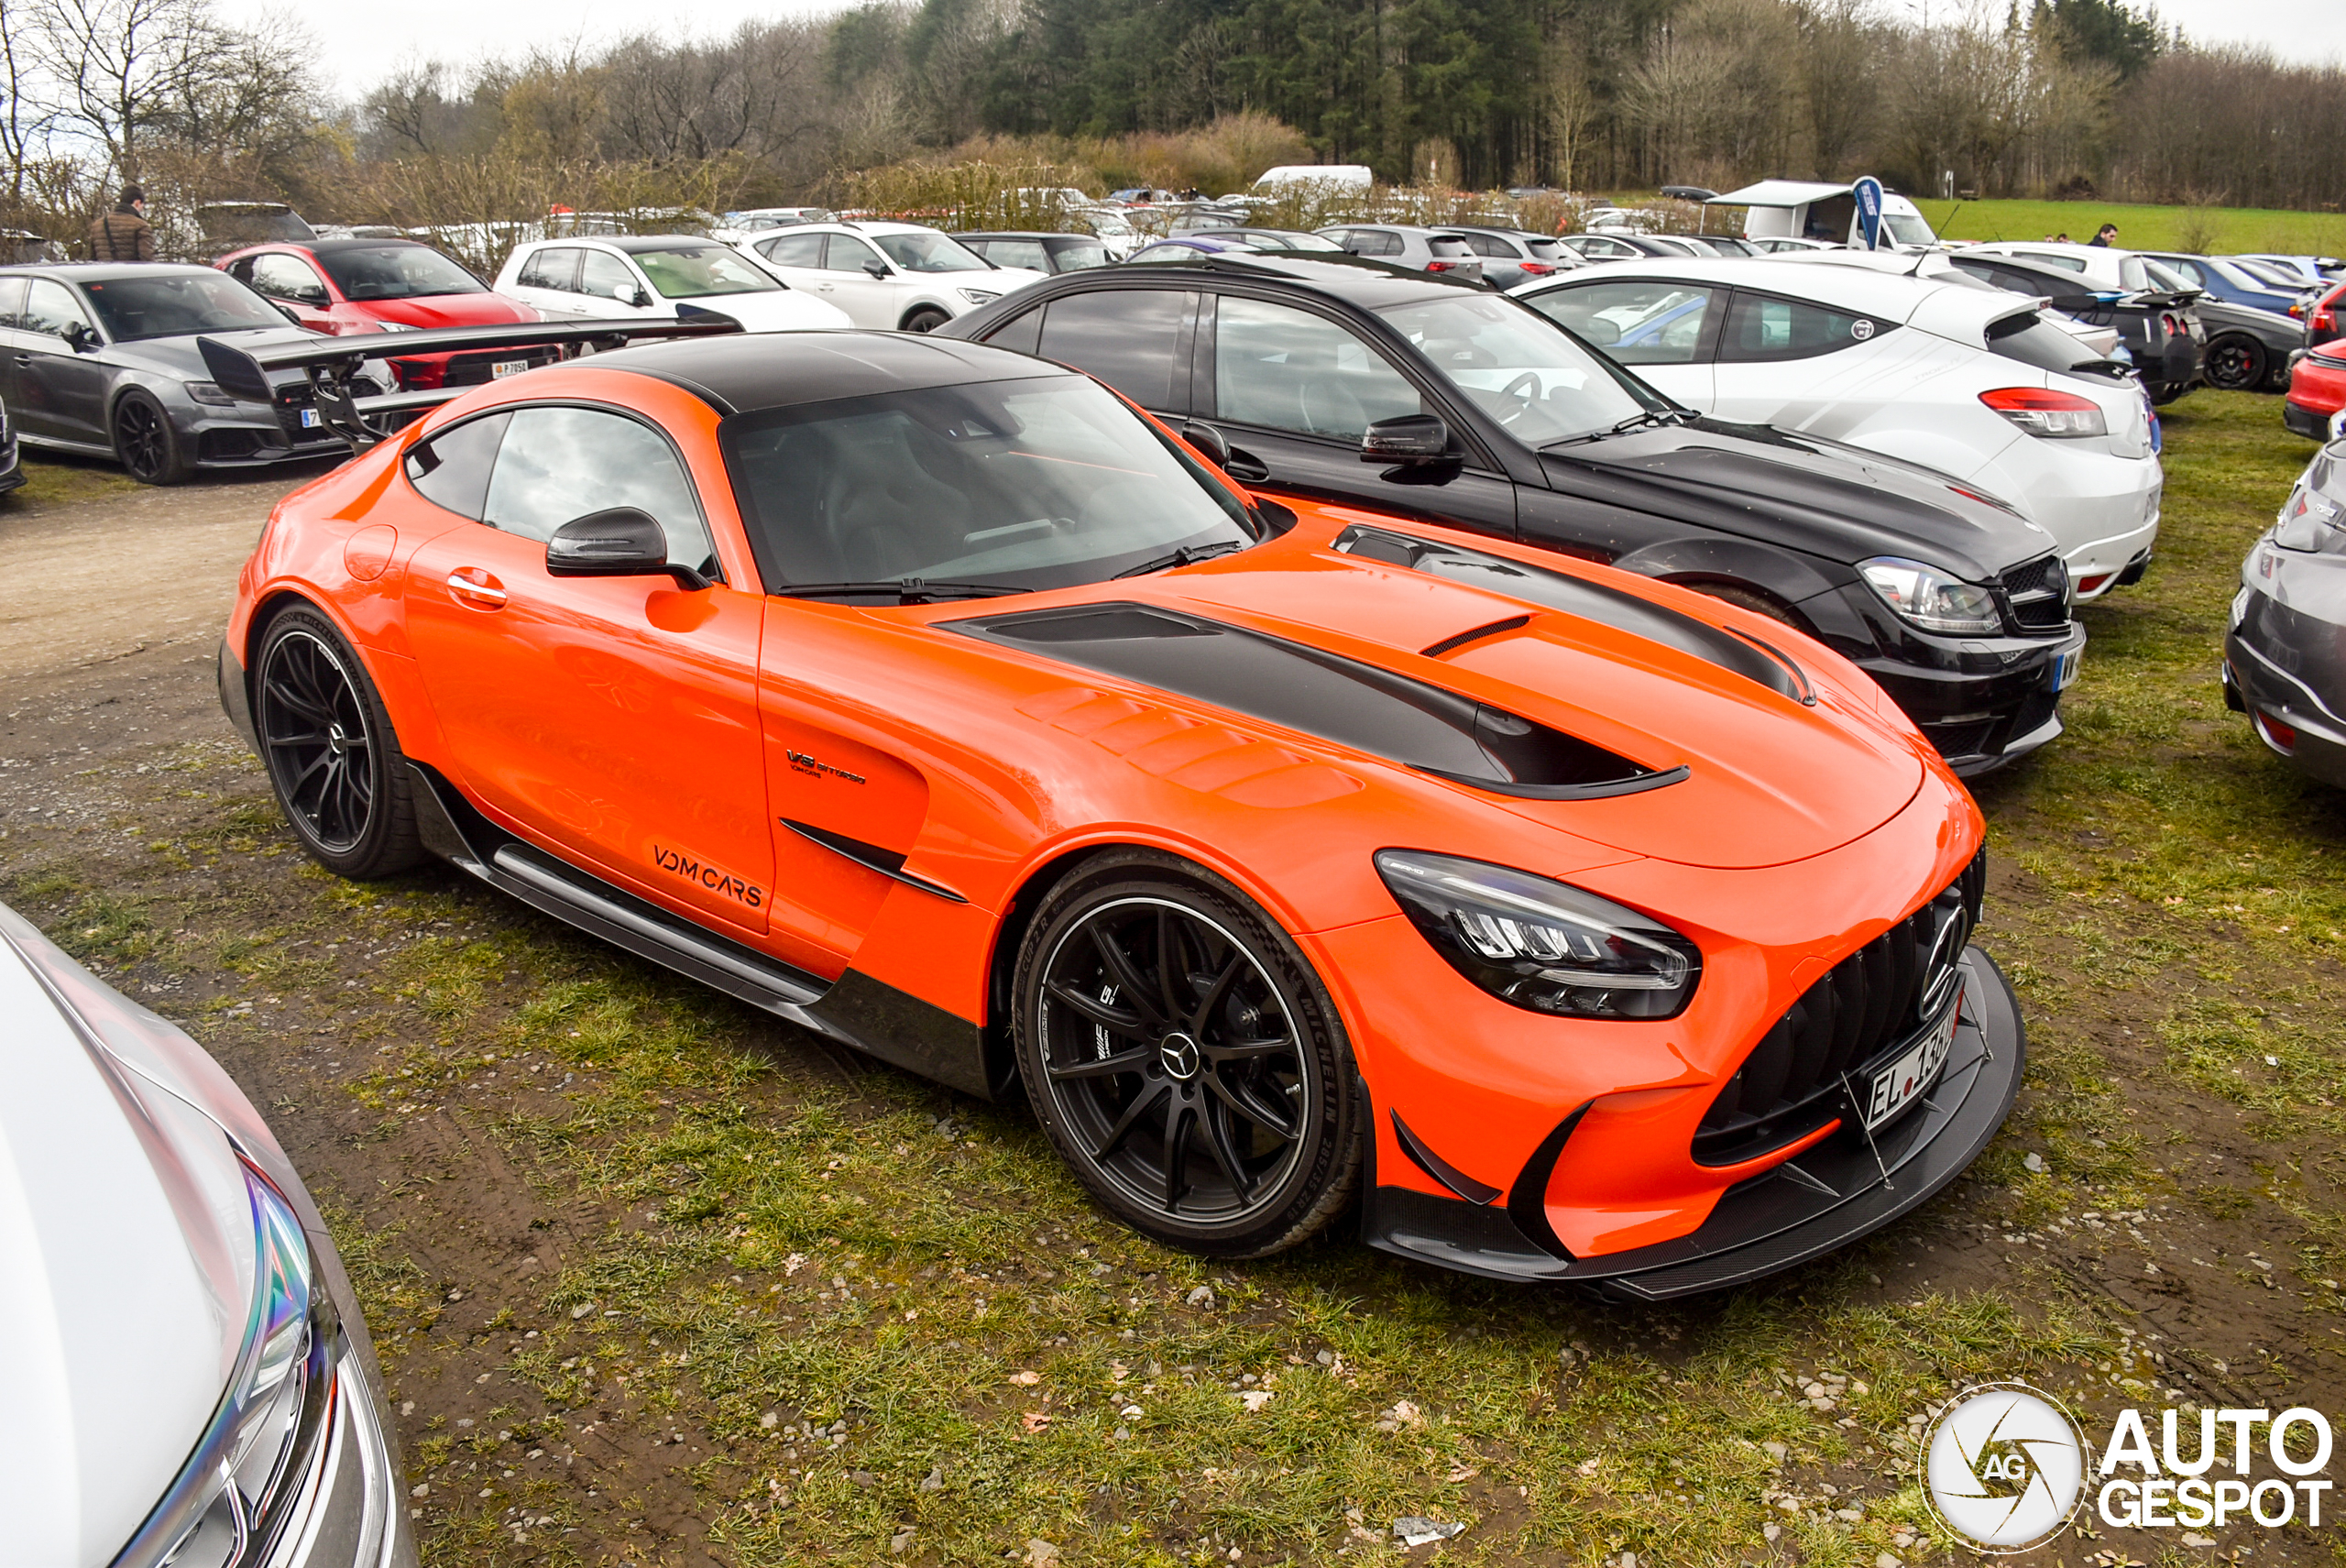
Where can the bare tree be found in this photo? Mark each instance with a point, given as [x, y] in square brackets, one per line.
[115, 64]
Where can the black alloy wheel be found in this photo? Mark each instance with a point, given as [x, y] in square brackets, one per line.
[144, 441]
[2238, 363]
[336, 767]
[1183, 1058]
[929, 318]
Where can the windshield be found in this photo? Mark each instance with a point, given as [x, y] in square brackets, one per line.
[1522, 368]
[929, 253]
[395, 272]
[2269, 275]
[692, 272]
[1038, 483]
[175, 305]
[1908, 230]
[2238, 276]
[2162, 277]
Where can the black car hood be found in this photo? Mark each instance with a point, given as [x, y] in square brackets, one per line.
[179, 359]
[1830, 499]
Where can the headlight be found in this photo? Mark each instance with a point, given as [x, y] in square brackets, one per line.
[225, 1508]
[394, 326]
[2311, 521]
[1540, 943]
[980, 296]
[1931, 598]
[210, 392]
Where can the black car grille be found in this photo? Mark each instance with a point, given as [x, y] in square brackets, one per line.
[1791, 1084]
[2039, 593]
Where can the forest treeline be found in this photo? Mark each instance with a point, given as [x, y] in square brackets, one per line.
[2007, 98]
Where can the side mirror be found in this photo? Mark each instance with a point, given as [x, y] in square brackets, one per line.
[287, 311]
[1211, 441]
[1600, 332]
[83, 338]
[877, 269]
[638, 298]
[1410, 438]
[618, 542]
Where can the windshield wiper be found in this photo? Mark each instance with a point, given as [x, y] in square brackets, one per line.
[1620, 427]
[907, 590]
[1188, 555]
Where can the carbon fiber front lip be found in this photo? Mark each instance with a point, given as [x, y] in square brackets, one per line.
[1844, 1189]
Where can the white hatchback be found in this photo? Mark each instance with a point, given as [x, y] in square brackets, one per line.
[617, 276]
[1976, 385]
[892, 277]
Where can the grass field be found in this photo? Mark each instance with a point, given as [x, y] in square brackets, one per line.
[2205, 230]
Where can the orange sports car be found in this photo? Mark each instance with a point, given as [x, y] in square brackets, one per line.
[1555, 923]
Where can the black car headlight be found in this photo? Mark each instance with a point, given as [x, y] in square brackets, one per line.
[1934, 599]
[1540, 943]
[229, 1505]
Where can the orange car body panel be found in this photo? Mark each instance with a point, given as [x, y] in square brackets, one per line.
[635, 730]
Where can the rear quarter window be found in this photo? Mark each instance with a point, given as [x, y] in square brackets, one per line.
[451, 469]
[1445, 245]
[2029, 339]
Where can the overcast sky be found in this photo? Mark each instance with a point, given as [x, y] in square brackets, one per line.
[357, 44]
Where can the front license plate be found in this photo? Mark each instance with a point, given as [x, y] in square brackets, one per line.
[2065, 666]
[310, 420]
[504, 368]
[1895, 1086]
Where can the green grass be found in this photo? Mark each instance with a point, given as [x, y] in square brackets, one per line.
[55, 480]
[2217, 230]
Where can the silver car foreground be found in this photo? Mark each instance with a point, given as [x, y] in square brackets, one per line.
[184, 1378]
[2285, 656]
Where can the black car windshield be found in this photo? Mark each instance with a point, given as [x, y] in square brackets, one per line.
[174, 304]
[918, 252]
[395, 272]
[697, 271]
[1043, 482]
[1522, 368]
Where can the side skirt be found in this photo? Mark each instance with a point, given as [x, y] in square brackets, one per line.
[858, 1011]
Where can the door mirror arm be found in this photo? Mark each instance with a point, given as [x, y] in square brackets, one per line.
[878, 270]
[617, 541]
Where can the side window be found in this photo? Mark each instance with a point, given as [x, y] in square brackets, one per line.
[12, 301]
[279, 277]
[1760, 328]
[847, 254]
[1027, 253]
[1285, 369]
[556, 267]
[794, 250]
[2055, 258]
[1130, 338]
[451, 469]
[1447, 245]
[2132, 274]
[1022, 333]
[556, 464]
[51, 307]
[1634, 323]
[606, 276]
[1489, 245]
[1378, 242]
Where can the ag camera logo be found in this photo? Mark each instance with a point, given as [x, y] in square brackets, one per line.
[2004, 1466]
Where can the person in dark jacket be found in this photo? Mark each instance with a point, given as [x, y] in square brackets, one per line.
[2105, 236]
[124, 234]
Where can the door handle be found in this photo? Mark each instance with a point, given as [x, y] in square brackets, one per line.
[474, 587]
[27, 360]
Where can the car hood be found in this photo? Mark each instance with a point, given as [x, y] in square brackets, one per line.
[125, 1252]
[450, 309]
[180, 358]
[1830, 499]
[1733, 770]
[780, 310]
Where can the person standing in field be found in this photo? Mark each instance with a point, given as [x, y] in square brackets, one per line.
[2105, 236]
[124, 234]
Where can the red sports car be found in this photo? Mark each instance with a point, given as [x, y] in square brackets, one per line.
[1559, 924]
[340, 286]
[2317, 390]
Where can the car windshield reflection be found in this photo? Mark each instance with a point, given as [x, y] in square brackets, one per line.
[694, 272]
[1038, 483]
[1520, 368]
[176, 304]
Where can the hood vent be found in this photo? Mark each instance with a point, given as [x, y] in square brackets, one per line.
[1344, 700]
[1745, 656]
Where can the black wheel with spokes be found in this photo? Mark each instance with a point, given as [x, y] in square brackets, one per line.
[332, 759]
[2238, 363]
[1184, 1059]
[929, 318]
[144, 441]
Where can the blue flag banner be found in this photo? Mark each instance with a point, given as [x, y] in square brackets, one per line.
[1867, 192]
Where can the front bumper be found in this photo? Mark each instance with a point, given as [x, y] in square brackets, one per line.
[1826, 1196]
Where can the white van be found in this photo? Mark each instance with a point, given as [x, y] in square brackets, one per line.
[1333, 176]
[1808, 209]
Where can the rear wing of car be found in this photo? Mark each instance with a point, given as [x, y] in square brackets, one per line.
[330, 364]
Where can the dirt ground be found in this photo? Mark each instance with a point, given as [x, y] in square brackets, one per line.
[135, 827]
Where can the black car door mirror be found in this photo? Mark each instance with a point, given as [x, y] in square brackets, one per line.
[83, 338]
[1410, 438]
[639, 297]
[287, 311]
[1209, 441]
[617, 541]
[877, 269]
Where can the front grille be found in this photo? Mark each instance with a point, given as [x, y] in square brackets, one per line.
[226, 445]
[1791, 1084]
[2039, 593]
[1960, 739]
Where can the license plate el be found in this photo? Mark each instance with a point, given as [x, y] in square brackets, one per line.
[310, 420]
[504, 368]
[2065, 668]
[1895, 1086]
